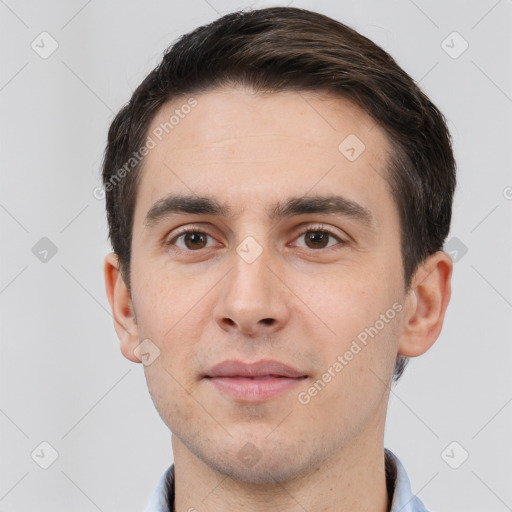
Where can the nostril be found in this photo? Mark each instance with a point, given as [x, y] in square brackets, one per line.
[268, 320]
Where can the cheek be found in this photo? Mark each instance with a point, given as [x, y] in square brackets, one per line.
[359, 358]
[168, 394]
[165, 299]
[354, 383]
[346, 301]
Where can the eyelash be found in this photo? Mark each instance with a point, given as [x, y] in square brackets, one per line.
[315, 228]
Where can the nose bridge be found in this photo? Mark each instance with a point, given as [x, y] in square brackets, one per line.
[251, 264]
[251, 298]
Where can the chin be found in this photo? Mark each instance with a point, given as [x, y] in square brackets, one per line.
[264, 464]
[264, 472]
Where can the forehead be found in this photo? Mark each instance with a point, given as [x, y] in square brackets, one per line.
[249, 149]
[315, 117]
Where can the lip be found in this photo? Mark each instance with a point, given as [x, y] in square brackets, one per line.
[254, 382]
[262, 368]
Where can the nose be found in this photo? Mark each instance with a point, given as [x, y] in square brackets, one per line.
[253, 299]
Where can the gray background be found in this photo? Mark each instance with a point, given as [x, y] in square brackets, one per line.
[63, 378]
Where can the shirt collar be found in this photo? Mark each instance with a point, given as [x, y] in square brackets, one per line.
[404, 500]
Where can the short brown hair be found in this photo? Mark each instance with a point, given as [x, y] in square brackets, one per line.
[285, 48]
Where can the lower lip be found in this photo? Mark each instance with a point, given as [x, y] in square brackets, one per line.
[254, 390]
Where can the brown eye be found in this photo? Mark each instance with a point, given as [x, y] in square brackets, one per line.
[191, 240]
[195, 240]
[319, 237]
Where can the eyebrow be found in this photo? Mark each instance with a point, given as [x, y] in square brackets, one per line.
[294, 206]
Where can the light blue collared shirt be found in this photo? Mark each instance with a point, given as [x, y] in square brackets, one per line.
[403, 498]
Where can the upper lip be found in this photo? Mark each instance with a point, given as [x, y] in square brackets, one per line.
[262, 368]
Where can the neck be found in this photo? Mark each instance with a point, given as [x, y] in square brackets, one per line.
[351, 479]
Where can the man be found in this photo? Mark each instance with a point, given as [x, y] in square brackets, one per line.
[278, 194]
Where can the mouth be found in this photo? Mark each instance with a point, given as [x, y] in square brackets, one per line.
[254, 382]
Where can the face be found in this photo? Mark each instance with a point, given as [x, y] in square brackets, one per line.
[296, 260]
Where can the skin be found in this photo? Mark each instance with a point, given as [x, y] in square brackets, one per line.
[205, 304]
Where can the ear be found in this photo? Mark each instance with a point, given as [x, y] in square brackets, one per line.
[426, 305]
[122, 308]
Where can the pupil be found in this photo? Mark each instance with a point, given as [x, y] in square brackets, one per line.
[319, 236]
[194, 238]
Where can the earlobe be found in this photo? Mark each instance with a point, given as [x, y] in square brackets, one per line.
[427, 301]
[121, 305]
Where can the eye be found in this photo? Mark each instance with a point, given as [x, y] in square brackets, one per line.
[193, 239]
[317, 237]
